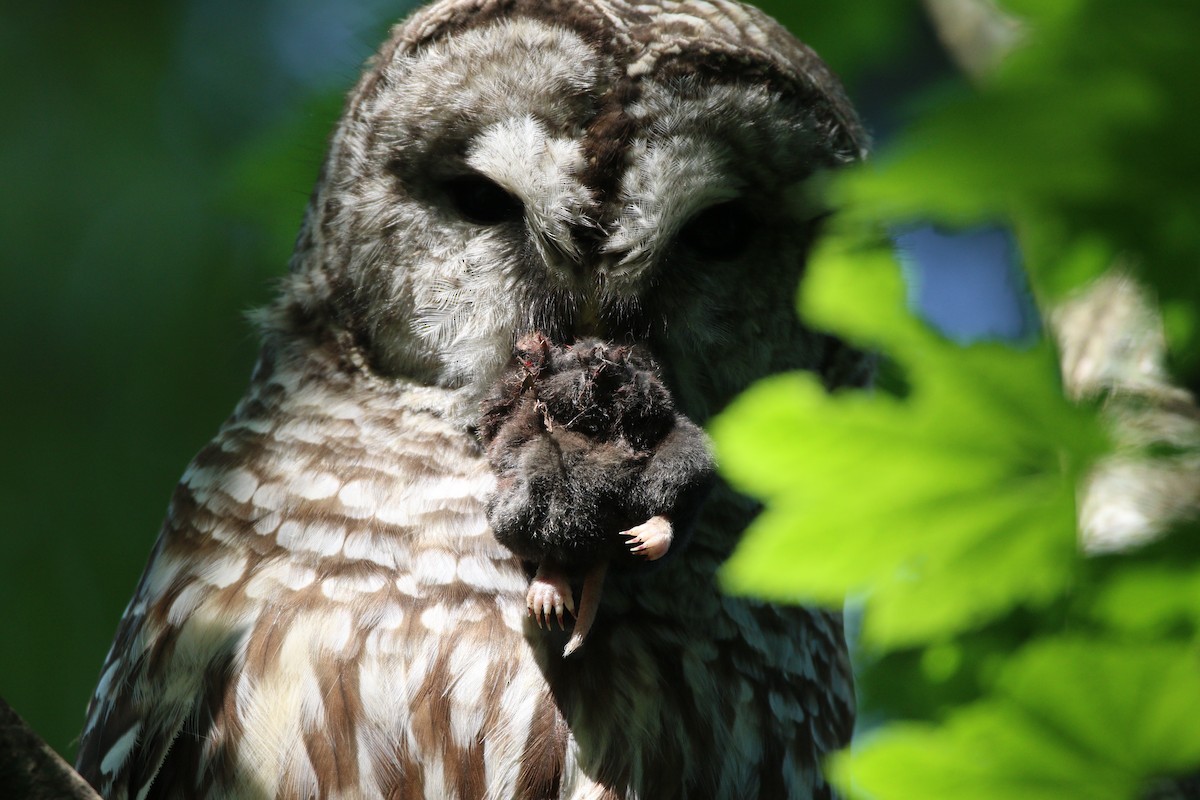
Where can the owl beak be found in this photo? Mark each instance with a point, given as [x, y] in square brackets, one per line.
[589, 322]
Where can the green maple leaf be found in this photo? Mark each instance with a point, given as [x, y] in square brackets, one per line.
[948, 507]
[1070, 717]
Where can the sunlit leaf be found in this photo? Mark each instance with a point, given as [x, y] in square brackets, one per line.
[948, 505]
[951, 505]
[1071, 718]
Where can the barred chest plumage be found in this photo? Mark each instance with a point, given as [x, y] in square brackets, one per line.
[328, 615]
[326, 612]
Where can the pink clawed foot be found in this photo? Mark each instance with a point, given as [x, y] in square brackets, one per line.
[651, 539]
[549, 595]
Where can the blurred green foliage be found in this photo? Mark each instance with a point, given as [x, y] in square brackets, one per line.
[1066, 717]
[1082, 139]
[1020, 667]
[854, 39]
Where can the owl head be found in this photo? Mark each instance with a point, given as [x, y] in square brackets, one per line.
[637, 172]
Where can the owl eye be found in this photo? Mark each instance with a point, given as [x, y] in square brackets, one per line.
[719, 233]
[482, 201]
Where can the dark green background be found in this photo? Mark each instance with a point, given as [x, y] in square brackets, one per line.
[155, 159]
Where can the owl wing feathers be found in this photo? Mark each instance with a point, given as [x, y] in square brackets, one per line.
[136, 721]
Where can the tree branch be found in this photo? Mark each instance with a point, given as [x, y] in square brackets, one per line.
[30, 769]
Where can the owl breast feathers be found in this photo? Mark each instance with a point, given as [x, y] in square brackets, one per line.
[327, 611]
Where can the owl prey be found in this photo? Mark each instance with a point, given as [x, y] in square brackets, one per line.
[594, 465]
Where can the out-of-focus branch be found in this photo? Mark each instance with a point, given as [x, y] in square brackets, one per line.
[30, 769]
[1112, 345]
[975, 33]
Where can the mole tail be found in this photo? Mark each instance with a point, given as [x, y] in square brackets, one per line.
[589, 602]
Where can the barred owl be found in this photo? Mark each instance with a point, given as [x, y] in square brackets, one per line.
[326, 612]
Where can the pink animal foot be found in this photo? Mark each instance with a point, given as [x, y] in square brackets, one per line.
[651, 539]
[548, 596]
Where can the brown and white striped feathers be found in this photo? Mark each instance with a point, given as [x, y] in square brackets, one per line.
[326, 612]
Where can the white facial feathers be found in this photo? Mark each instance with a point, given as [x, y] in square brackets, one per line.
[512, 174]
